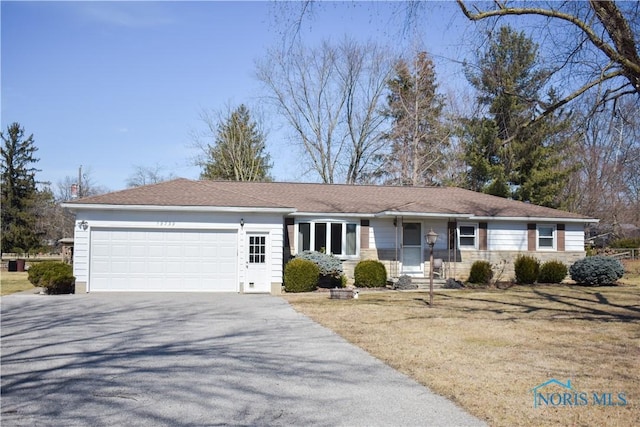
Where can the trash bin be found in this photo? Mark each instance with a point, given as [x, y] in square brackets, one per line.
[20, 264]
[13, 265]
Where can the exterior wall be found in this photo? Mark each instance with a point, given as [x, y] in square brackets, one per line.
[268, 223]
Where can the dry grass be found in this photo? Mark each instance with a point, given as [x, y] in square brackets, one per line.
[487, 349]
[12, 282]
[631, 272]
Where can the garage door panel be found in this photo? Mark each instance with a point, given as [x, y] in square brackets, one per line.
[163, 260]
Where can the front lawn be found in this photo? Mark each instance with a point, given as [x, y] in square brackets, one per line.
[488, 349]
[12, 282]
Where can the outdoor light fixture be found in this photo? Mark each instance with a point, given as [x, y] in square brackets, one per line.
[241, 222]
[83, 225]
[431, 237]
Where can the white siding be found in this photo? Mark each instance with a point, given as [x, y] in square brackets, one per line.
[194, 221]
[507, 236]
[574, 237]
[382, 232]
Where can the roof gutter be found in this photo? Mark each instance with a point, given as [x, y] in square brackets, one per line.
[535, 219]
[73, 207]
[422, 214]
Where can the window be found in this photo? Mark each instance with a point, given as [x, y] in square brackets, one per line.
[337, 238]
[467, 236]
[351, 239]
[546, 237]
[304, 236]
[257, 249]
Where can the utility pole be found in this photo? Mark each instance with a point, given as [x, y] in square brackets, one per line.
[80, 182]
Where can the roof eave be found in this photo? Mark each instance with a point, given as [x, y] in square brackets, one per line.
[73, 207]
[392, 214]
[534, 218]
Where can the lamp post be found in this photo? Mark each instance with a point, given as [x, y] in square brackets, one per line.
[431, 237]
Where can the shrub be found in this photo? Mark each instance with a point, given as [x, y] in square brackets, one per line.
[301, 275]
[330, 268]
[480, 273]
[552, 272]
[370, 274]
[527, 269]
[628, 243]
[55, 277]
[404, 282]
[596, 271]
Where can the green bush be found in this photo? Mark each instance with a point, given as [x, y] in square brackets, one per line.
[527, 269]
[301, 275]
[552, 272]
[480, 273]
[628, 243]
[370, 274]
[596, 271]
[55, 277]
[330, 268]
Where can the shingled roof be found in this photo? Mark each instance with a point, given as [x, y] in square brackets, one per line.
[366, 200]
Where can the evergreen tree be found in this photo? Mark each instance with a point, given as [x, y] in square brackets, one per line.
[19, 192]
[417, 138]
[507, 157]
[239, 152]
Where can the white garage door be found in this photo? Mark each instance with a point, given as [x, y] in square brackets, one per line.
[163, 260]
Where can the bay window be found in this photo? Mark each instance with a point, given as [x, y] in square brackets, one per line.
[336, 237]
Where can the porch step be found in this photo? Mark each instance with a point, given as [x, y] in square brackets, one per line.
[423, 283]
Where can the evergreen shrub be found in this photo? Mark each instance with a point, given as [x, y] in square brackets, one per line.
[552, 272]
[330, 268]
[628, 243]
[370, 274]
[480, 273]
[54, 276]
[527, 269]
[596, 271]
[301, 275]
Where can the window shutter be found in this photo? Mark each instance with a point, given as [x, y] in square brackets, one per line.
[531, 237]
[482, 236]
[364, 234]
[560, 228]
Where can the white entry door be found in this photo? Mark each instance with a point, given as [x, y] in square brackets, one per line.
[411, 248]
[257, 277]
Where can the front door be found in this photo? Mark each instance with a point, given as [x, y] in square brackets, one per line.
[411, 248]
[257, 278]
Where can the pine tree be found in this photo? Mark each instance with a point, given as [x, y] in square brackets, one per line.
[239, 152]
[506, 156]
[417, 138]
[19, 192]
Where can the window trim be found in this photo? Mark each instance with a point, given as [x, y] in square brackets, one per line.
[328, 230]
[553, 237]
[475, 236]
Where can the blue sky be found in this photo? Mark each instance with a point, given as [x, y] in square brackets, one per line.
[114, 85]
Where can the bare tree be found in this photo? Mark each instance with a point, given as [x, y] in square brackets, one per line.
[605, 184]
[594, 45]
[330, 97]
[145, 175]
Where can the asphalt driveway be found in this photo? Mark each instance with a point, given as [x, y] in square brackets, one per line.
[195, 359]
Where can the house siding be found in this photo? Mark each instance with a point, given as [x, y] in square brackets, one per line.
[265, 223]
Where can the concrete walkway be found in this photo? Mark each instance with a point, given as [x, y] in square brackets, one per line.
[195, 360]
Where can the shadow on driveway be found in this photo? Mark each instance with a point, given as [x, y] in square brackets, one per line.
[195, 359]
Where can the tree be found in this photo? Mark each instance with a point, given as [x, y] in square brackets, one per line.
[330, 96]
[239, 150]
[594, 42]
[19, 190]
[505, 159]
[606, 185]
[417, 139]
[145, 175]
